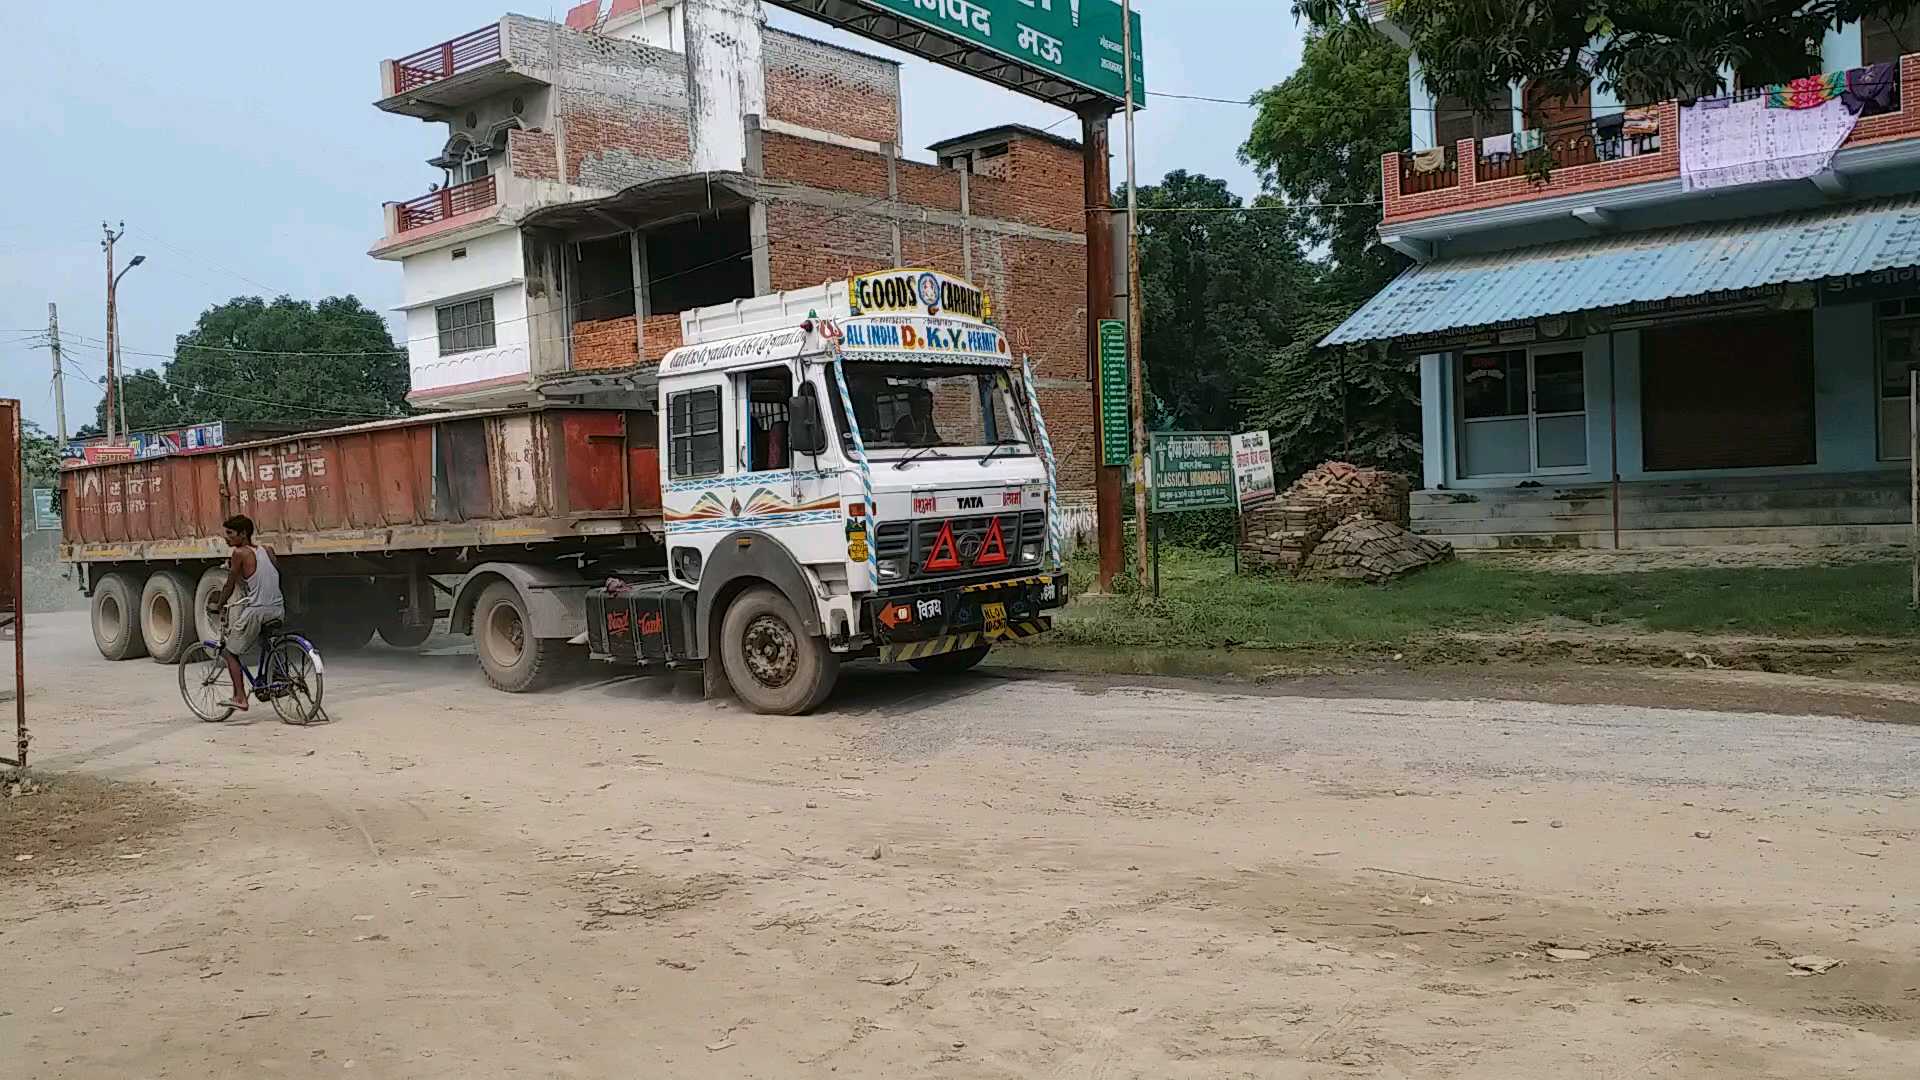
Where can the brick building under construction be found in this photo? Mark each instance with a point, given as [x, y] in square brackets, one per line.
[641, 159]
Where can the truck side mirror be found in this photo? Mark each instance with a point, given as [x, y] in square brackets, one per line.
[806, 431]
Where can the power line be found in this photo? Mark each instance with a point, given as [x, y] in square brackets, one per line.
[185, 254]
[177, 387]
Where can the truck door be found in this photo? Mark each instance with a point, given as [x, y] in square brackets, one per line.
[699, 502]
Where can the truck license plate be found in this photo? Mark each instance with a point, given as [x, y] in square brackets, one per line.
[996, 617]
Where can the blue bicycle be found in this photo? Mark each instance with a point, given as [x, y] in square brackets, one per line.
[290, 675]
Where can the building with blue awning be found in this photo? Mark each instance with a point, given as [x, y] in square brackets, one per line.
[1645, 331]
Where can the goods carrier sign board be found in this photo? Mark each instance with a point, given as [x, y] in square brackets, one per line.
[1068, 52]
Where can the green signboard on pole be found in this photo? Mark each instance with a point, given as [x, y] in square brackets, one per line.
[1116, 415]
[45, 517]
[1073, 41]
[1192, 470]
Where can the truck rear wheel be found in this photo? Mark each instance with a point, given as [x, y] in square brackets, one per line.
[167, 620]
[512, 659]
[395, 631]
[116, 617]
[207, 616]
[775, 667]
[952, 663]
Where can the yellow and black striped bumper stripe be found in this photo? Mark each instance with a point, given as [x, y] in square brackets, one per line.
[920, 650]
[1045, 579]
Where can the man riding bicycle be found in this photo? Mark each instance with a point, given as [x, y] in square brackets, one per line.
[250, 568]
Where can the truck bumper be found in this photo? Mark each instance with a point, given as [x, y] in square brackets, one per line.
[916, 623]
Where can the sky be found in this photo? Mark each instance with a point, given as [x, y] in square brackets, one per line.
[238, 143]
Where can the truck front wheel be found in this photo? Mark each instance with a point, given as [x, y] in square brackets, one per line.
[512, 658]
[116, 617]
[774, 666]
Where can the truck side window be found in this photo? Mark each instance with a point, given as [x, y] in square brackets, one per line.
[767, 398]
[693, 433]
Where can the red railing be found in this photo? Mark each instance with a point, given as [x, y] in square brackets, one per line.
[447, 59]
[1413, 181]
[1576, 142]
[449, 202]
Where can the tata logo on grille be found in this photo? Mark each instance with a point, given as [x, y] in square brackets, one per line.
[971, 502]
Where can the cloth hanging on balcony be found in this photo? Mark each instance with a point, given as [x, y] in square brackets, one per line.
[1497, 146]
[1749, 143]
[1808, 93]
[1641, 120]
[1426, 161]
[1526, 142]
[1870, 89]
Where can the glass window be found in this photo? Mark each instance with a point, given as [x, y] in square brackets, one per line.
[769, 394]
[465, 327]
[1455, 119]
[1899, 357]
[1495, 384]
[908, 407]
[693, 433]
[1559, 383]
[1884, 39]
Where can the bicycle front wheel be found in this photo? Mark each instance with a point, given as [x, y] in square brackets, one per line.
[204, 683]
[295, 673]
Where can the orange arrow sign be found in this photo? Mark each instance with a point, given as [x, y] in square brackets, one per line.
[892, 615]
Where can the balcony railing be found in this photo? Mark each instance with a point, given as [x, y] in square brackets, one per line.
[1634, 146]
[1578, 142]
[447, 59]
[442, 205]
[1413, 179]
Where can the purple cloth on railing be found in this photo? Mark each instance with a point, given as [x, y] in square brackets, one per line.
[1870, 89]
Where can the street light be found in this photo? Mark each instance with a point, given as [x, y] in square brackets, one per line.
[114, 397]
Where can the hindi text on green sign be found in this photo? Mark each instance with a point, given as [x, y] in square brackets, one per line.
[1192, 470]
[1116, 414]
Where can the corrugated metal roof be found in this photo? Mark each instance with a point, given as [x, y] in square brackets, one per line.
[1613, 271]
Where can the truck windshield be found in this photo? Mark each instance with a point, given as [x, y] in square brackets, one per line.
[906, 407]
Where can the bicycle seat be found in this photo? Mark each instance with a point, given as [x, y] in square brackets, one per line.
[272, 628]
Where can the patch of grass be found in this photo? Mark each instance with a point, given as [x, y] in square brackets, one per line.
[1204, 606]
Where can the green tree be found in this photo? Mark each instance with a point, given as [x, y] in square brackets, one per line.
[39, 456]
[1347, 402]
[1317, 141]
[1645, 50]
[1221, 285]
[282, 360]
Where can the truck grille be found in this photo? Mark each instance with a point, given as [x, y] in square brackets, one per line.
[915, 541]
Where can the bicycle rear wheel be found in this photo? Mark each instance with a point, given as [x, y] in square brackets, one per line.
[298, 681]
[204, 683]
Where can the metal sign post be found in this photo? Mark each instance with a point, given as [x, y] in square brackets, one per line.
[13, 604]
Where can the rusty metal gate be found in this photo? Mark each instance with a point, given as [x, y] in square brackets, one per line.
[13, 621]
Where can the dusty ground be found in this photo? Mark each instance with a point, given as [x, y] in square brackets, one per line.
[999, 876]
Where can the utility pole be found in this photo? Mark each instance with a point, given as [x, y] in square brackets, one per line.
[1108, 479]
[115, 399]
[1134, 315]
[59, 385]
[112, 380]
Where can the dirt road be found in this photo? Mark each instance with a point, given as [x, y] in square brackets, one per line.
[986, 877]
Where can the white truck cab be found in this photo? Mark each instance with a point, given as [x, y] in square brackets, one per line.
[856, 470]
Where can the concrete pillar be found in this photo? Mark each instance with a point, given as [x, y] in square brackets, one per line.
[1422, 101]
[1842, 48]
[1433, 420]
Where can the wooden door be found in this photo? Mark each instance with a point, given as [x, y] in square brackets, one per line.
[1728, 393]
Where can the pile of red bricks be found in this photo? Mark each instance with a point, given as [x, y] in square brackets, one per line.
[1285, 532]
[1364, 548]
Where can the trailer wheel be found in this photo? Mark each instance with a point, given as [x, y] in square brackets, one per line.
[207, 616]
[116, 617]
[395, 631]
[952, 663]
[512, 660]
[167, 621]
[774, 666]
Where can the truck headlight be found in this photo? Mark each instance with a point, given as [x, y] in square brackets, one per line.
[893, 569]
[1030, 553]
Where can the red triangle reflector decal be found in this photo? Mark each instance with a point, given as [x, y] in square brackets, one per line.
[993, 550]
[946, 554]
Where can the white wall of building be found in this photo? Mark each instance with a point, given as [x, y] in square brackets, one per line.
[726, 79]
[491, 266]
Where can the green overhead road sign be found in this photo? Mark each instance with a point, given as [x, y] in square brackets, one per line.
[1069, 52]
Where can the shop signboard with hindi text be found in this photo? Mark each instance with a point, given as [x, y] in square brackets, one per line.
[1116, 405]
[1253, 468]
[1192, 470]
